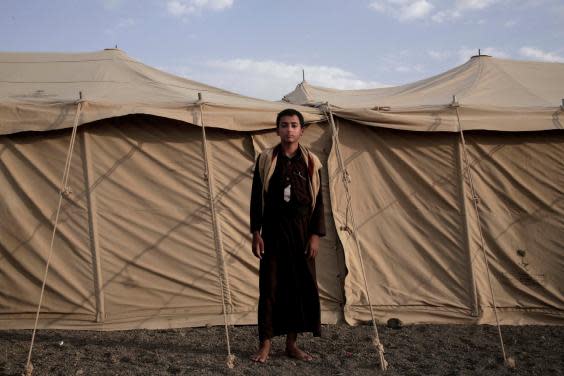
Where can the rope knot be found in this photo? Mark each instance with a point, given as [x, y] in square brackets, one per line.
[231, 361]
[379, 346]
[510, 363]
[28, 370]
[67, 191]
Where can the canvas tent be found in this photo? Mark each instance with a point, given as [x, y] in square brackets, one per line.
[153, 231]
[418, 157]
[137, 245]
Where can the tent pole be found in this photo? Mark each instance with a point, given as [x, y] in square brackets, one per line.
[93, 229]
[346, 180]
[223, 280]
[63, 191]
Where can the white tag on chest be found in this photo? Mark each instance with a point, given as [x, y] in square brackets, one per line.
[287, 193]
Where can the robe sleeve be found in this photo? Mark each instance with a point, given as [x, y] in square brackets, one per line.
[317, 221]
[256, 201]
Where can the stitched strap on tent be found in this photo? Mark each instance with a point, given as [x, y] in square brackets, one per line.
[223, 281]
[346, 180]
[509, 362]
[466, 228]
[63, 191]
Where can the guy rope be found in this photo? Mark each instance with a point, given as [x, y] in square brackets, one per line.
[63, 191]
[346, 180]
[223, 280]
[508, 361]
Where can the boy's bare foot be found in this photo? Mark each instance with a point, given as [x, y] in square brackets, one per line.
[261, 356]
[295, 352]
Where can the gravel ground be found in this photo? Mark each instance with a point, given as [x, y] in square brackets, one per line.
[343, 350]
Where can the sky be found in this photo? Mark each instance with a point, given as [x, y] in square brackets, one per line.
[259, 48]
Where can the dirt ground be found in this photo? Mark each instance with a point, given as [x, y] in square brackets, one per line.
[343, 350]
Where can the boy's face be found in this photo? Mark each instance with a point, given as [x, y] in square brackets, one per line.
[289, 129]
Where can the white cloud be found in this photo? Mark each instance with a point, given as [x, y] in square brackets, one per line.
[510, 23]
[436, 10]
[474, 4]
[125, 23]
[409, 68]
[181, 8]
[440, 55]
[459, 8]
[378, 6]
[537, 54]
[269, 79]
[122, 24]
[111, 4]
[445, 15]
[416, 10]
[403, 10]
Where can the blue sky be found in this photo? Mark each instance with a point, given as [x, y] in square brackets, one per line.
[259, 48]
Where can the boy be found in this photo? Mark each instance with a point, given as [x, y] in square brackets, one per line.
[287, 205]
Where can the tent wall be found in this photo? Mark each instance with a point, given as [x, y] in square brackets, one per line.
[29, 179]
[519, 179]
[419, 232]
[136, 247]
[405, 190]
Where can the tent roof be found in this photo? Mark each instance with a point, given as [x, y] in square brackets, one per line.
[482, 81]
[491, 94]
[39, 91]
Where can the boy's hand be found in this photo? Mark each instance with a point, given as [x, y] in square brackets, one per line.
[313, 246]
[258, 245]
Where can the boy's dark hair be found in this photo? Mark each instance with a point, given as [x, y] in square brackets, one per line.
[290, 112]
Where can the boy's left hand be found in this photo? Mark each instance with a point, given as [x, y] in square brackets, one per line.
[312, 246]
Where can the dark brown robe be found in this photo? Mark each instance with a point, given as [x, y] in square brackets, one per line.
[289, 298]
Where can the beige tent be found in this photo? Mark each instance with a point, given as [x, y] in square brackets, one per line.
[412, 194]
[494, 94]
[136, 245]
[153, 230]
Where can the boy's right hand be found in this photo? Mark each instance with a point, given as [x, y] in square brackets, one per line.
[258, 245]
